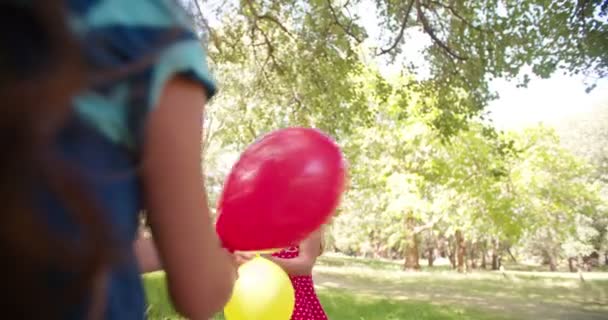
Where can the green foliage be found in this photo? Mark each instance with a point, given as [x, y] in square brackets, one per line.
[474, 40]
[297, 58]
[587, 137]
[417, 148]
[556, 197]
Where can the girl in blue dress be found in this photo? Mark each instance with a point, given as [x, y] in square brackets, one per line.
[102, 104]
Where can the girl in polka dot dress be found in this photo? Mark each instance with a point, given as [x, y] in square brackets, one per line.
[298, 262]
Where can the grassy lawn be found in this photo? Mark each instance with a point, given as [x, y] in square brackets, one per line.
[339, 304]
[359, 289]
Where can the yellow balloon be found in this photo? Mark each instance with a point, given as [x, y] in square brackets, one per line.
[262, 292]
[268, 251]
[259, 252]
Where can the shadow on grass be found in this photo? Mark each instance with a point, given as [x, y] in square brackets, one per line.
[480, 284]
[343, 305]
[339, 304]
[361, 291]
[523, 297]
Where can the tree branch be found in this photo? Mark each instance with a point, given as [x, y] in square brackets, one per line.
[406, 16]
[455, 13]
[271, 18]
[428, 225]
[511, 254]
[296, 98]
[348, 29]
[252, 131]
[427, 28]
[268, 17]
[207, 28]
[200, 14]
[255, 27]
[269, 46]
[439, 20]
[210, 133]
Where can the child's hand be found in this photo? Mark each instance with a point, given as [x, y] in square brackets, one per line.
[243, 257]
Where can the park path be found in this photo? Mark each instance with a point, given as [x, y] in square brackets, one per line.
[512, 307]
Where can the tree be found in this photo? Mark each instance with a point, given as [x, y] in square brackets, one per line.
[300, 53]
[417, 180]
[555, 194]
[586, 136]
[389, 163]
[420, 159]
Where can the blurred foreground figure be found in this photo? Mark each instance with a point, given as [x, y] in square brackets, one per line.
[102, 102]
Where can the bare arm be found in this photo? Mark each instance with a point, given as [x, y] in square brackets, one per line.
[147, 255]
[309, 251]
[200, 273]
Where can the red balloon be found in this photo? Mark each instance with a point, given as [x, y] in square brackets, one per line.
[283, 187]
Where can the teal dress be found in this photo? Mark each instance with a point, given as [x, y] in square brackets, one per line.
[153, 41]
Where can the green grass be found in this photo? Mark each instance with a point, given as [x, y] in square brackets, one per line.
[339, 304]
[361, 289]
[159, 304]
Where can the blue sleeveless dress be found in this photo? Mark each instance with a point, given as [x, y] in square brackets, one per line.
[153, 40]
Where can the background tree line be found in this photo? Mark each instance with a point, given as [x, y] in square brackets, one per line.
[430, 176]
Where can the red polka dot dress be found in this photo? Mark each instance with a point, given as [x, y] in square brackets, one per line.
[308, 306]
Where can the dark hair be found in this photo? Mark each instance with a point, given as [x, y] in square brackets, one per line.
[41, 70]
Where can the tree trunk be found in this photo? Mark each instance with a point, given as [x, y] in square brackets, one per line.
[469, 256]
[552, 262]
[411, 256]
[432, 246]
[442, 251]
[431, 257]
[511, 255]
[474, 254]
[571, 262]
[411, 245]
[461, 248]
[451, 250]
[495, 256]
[452, 260]
[580, 266]
[495, 264]
[483, 255]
